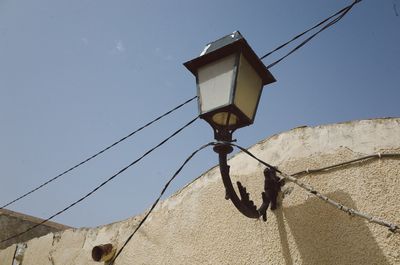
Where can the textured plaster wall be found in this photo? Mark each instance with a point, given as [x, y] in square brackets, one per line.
[198, 226]
[12, 223]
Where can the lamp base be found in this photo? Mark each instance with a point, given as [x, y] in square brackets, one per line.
[222, 148]
[223, 136]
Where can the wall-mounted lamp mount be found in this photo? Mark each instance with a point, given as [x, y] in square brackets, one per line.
[230, 78]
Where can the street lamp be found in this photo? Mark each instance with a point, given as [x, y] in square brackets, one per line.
[230, 78]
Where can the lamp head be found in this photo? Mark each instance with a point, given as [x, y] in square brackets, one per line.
[230, 78]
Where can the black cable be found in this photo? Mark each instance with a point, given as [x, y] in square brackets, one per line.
[360, 159]
[301, 34]
[345, 10]
[253, 156]
[394, 228]
[157, 200]
[102, 184]
[248, 153]
[308, 171]
[339, 15]
[97, 154]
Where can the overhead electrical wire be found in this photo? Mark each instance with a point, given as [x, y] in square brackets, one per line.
[303, 33]
[98, 153]
[338, 16]
[156, 201]
[103, 183]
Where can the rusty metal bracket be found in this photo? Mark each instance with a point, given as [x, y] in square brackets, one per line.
[272, 186]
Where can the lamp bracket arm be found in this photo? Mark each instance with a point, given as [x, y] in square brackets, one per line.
[272, 186]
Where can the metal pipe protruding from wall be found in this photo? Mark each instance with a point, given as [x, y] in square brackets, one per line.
[103, 252]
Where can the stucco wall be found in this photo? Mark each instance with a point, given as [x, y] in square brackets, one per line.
[198, 226]
[12, 223]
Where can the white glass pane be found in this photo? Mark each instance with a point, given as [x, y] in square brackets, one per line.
[248, 88]
[215, 80]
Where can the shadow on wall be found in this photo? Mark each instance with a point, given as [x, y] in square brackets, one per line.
[325, 235]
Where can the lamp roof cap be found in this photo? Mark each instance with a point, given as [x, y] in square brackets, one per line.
[227, 45]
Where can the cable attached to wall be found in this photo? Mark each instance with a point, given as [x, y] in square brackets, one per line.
[157, 200]
[103, 183]
[98, 153]
[337, 17]
[357, 160]
[394, 228]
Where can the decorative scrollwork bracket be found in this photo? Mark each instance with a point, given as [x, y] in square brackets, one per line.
[272, 186]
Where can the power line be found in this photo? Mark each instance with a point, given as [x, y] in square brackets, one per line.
[98, 153]
[339, 15]
[157, 200]
[342, 14]
[301, 34]
[103, 183]
[394, 228]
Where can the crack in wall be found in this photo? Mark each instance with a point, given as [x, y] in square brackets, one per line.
[19, 253]
[56, 238]
[50, 257]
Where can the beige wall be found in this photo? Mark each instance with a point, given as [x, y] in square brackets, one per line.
[12, 223]
[198, 226]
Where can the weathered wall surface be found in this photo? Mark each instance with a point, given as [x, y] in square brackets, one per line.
[12, 223]
[198, 226]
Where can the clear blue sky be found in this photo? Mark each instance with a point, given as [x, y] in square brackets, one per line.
[77, 75]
